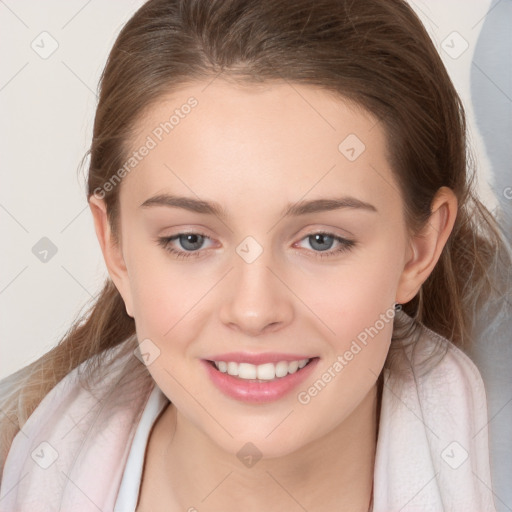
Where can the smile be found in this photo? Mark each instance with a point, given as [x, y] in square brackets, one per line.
[261, 383]
[261, 372]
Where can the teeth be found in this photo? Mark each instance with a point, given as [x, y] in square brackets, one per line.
[267, 371]
[293, 366]
[232, 368]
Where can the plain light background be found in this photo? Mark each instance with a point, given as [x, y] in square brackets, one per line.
[48, 102]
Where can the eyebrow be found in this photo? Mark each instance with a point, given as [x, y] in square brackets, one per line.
[291, 210]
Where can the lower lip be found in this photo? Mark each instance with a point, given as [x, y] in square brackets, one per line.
[258, 392]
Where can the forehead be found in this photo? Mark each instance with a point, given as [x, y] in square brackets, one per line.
[278, 141]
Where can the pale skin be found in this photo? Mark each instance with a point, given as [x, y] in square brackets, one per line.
[253, 150]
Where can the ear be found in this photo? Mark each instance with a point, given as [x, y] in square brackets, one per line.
[426, 246]
[112, 251]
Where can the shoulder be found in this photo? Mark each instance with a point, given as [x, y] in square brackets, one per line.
[75, 429]
[445, 374]
[434, 426]
[441, 381]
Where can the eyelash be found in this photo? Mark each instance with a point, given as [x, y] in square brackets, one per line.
[345, 244]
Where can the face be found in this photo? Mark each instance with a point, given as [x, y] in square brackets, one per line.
[318, 282]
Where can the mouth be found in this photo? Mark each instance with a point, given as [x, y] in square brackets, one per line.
[262, 373]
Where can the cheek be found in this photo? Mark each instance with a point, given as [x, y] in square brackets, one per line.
[357, 306]
[353, 306]
[156, 301]
[164, 291]
[352, 295]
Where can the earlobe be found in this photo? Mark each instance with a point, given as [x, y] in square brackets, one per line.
[112, 251]
[427, 245]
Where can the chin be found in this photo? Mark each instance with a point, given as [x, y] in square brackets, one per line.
[250, 442]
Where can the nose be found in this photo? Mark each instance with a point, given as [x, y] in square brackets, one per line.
[256, 298]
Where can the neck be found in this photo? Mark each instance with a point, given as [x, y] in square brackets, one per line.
[332, 472]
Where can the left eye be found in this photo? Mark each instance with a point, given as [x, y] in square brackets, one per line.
[192, 242]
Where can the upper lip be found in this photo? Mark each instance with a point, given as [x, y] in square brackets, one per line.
[256, 359]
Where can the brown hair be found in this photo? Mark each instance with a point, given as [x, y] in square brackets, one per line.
[375, 53]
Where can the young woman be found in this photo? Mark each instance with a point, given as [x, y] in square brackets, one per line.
[295, 252]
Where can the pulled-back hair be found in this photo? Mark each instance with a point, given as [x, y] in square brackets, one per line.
[375, 53]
